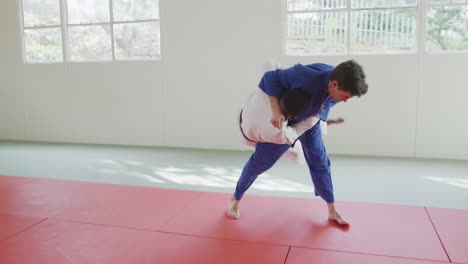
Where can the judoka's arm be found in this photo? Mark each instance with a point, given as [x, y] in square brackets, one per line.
[305, 125]
[277, 117]
[310, 122]
[335, 121]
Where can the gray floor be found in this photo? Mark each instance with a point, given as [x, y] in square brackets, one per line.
[431, 182]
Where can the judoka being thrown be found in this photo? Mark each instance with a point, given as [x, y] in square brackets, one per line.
[323, 86]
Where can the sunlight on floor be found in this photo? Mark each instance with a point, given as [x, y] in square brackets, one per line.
[222, 177]
[196, 175]
[458, 182]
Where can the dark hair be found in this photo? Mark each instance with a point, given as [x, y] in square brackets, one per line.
[350, 77]
[295, 102]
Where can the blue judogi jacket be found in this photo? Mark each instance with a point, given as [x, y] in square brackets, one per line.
[312, 79]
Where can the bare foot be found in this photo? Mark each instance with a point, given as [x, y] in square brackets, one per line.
[335, 216]
[233, 210]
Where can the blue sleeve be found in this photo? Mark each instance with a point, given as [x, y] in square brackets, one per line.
[270, 84]
[275, 83]
[326, 109]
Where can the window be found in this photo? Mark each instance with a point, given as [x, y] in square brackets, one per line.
[42, 31]
[350, 26]
[447, 25]
[95, 30]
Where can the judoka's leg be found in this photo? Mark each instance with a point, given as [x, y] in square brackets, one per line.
[265, 155]
[320, 170]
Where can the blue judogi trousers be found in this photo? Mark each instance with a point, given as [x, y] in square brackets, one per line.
[266, 155]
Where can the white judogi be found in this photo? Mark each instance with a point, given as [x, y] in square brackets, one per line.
[256, 126]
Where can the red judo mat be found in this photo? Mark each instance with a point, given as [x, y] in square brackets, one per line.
[57, 221]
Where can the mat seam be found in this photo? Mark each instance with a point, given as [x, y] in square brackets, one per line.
[437, 233]
[22, 231]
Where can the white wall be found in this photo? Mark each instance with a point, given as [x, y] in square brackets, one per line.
[109, 103]
[212, 56]
[442, 130]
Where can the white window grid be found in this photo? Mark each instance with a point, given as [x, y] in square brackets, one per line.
[64, 30]
[349, 10]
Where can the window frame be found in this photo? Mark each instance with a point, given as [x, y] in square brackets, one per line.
[64, 27]
[349, 10]
[425, 19]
